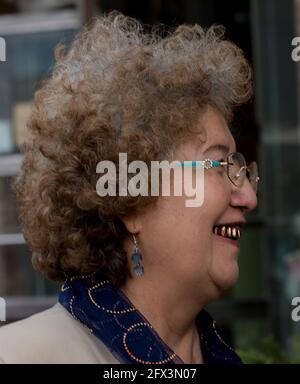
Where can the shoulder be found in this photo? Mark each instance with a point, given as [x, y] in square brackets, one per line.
[51, 336]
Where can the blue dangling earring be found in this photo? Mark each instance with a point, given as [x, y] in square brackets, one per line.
[137, 258]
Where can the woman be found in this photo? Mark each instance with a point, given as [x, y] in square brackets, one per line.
[137, 270]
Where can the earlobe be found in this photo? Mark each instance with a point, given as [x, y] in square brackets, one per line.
[132, 223]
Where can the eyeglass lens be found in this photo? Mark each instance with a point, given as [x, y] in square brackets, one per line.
[237, 170]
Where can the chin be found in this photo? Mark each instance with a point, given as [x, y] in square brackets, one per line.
[226, 278]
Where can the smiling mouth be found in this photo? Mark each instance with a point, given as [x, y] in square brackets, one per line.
[229, 231]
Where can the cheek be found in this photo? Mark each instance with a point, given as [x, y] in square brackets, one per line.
[174, 230]
[184, 223]
[217, 194]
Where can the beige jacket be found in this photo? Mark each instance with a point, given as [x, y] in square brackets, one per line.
[51, 336]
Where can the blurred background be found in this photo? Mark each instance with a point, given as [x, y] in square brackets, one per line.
[257, 312]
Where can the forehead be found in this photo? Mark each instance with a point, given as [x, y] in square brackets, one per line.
[218, 138]
[214, 138]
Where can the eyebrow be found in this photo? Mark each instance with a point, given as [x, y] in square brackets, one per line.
[217, 147]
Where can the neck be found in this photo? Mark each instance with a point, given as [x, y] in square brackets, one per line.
[171, 310]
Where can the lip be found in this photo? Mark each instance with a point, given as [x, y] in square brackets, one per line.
[226, 241]
[233, 222]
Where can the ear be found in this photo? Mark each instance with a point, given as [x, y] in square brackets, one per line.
[132, 223]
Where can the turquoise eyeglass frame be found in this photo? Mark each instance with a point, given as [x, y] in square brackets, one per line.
[207, 163]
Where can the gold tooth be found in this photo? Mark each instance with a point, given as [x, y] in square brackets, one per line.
[234, 232]
[229, 231]
[223, 231]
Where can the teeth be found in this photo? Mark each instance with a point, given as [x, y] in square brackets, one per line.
[223, 231]
[233, 232]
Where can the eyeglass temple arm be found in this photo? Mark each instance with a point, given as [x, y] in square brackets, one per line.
[207, 163]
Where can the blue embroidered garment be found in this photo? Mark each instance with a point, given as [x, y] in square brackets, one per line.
[111, 317]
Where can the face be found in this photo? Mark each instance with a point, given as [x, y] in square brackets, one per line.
[178, 242]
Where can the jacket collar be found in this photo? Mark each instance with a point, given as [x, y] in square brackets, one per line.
[112, 318]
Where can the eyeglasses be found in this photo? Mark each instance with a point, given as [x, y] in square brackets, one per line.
[236, 167]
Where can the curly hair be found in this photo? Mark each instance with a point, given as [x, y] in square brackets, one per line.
[116, 89]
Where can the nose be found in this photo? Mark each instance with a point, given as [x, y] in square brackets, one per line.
[244, 197]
